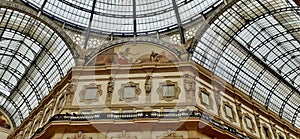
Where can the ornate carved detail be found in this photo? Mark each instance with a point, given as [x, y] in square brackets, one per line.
[189, 86]
[171, 135]
[217, 96]
[61, 100]
[20, 135]
[148, 85]
[175, 38]
[47, 114]
[36, 124]
[257, 120]
[190, 33]
[239, 110]
[210, 100]
[110, 85]
[232, 117]
[26, 134]
[264, 125]
[110, 90]
[168, 90]
[71, 87]
[279, 135]
[288, 136]
[273, 128]
[94, 96]
[70, 93]
[79, 135]
[127, 87]
[123, 133]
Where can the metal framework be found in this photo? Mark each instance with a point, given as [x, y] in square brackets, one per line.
[33, 59]
[254, 45]
[124, 17]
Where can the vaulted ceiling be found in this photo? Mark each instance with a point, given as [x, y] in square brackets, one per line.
[33, 58]
[251, 44]
[255, 46]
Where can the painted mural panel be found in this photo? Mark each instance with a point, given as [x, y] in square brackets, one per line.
[133, 54]
[4, 122]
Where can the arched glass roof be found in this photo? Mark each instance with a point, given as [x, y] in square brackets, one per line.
[124, 17]
[255, 46]
[33, 58]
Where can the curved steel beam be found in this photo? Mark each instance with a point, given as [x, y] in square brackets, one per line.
[29, 60]
[255, 49]
[6, 83]
[45, 49]
[12, 86]
[248, 23]
[11, 101]
[295, 115]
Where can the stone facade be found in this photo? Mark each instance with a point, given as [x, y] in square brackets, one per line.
[148, 115]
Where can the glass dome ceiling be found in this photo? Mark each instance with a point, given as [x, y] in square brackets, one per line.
[33, 58]
[255, 46]
[124, 17]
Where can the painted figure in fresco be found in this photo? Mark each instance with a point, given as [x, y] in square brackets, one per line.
[161, 57]
[3, 122]
[126, 57]
[153, 55]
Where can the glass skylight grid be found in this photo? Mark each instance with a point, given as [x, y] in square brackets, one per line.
[116, 16]
[267, 67]
[31, 62]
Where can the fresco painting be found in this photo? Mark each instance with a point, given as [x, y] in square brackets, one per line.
[4, 122]
[133, 54]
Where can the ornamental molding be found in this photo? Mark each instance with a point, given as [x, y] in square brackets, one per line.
[122, 91]
[168, 83]
[83, 92]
